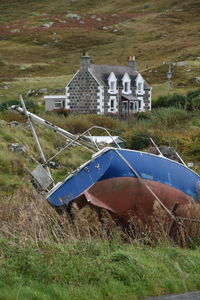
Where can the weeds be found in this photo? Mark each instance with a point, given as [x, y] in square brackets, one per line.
[28, 217]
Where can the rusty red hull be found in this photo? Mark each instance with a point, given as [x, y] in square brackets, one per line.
[129, 196]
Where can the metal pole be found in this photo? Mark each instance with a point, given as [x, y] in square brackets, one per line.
[35, 136]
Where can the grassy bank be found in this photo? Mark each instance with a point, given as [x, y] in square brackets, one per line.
[93, 269]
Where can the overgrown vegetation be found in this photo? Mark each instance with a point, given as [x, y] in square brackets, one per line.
[189, 102]
[44, 255]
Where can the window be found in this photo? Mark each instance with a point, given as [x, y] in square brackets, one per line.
[112, 104]
[126, 86]
[131, 106]
[125, 106]
[112, 85]
[140, 86]
[58, 104]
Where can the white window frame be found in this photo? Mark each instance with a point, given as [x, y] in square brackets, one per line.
[112, 105]
[112, 83]
[56, 102]
[126, 82]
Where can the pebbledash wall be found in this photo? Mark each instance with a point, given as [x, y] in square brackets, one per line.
[103, 89]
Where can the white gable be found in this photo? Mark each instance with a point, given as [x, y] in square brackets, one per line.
[126, 78]
[112, 77]
[139, 78]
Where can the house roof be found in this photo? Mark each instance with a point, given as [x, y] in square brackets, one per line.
[129, 98]
[102, 72]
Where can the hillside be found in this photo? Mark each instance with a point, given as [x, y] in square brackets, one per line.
[41, 41]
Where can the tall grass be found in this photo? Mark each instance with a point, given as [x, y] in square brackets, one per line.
[27, 216]
[44, 255]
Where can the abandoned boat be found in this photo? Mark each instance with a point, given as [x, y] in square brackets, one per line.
[122, 181]
[125, 181]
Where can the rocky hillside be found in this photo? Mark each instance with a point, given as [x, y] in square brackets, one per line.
[41, 41]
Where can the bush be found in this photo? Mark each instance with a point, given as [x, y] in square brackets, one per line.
[192, 104]
[139, 142]
[30, 105]
[6, 104]
[175, 100]
[195, 103]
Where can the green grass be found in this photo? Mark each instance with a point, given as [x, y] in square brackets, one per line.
[55, 52]
[97, 270]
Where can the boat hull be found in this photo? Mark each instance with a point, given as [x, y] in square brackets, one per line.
[129, 196]
[126, 182]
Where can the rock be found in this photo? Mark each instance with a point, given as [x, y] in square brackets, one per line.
[48, 25]
[54, 165]
[82, 22]
[105, 28]
[15, 147]
[115, 30]
[73, 16]
[114, 15]
[98, 19]
[188, 70]
[59, 91]
[198, 79]
[93, 17]
[168, 152]
[42, 91]
[181, 63]
[15, 30]
[14, 123]
[5, 87]
[146, 5]
[30, 93]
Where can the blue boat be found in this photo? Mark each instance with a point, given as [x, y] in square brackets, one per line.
[126, 181]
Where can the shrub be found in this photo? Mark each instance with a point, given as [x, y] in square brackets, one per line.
[6, 104]
[168, 117]
[30, 105]
[195, 103]
[139, 142]
[190, 96]
[175, 100]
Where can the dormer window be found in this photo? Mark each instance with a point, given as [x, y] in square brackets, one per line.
[140, 84]
[112, 83]
[126, 82]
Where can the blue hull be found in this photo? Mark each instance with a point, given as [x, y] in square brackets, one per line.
[125, 166]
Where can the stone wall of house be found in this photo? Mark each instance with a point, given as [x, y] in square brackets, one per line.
[146, 97]
[83, 93]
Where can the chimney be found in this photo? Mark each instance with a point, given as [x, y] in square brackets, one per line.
[84, 61]
[132, 63]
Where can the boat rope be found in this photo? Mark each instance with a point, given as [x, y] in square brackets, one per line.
[149, 188]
